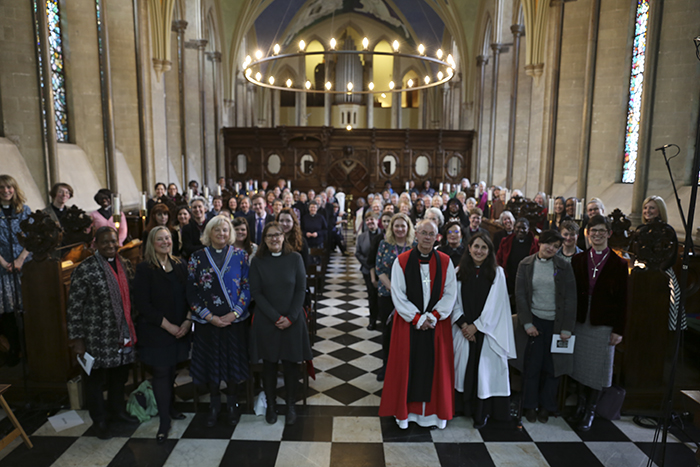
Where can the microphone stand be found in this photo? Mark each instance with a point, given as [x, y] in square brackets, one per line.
[687, 253]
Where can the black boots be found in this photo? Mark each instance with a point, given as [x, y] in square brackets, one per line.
[291, 381]
[269, 386]
[589, 413]
[214, 407]
[577, 416]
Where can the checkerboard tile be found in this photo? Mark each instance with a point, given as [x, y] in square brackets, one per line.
[339, 425]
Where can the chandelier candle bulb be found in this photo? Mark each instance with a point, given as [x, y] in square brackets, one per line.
[272, 80]
[440, 75]
[258, 76]
[349, 86]
[308, 85]
[258, 54]
[276, 49]
[333, 43]
[328, 85]
[302, 45]
[391, 85]
[421, 49]
[289, 83]
[396, 46]
[427, 80]
[365, 43]
[370, 86]
[410, 83]
[439, 54]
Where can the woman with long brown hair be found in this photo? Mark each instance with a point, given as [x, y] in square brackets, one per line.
[242, 240]
[292, 233]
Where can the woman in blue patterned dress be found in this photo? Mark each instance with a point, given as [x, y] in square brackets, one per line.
[219, 295]
[12, 257]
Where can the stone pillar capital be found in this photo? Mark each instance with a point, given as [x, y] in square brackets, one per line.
[199, 44]
[214, 56]
[179, 26]
[498, 48]
[482, 60]
[518, 30]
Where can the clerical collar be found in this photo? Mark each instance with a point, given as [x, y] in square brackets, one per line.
[279, 253]
[601, 251]
[423, 258]
[543, 260]
[521, 241]
[6, 207]
[218, 251]
[110, 259]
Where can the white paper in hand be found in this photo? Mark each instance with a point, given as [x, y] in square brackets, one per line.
[87, 361]
[562, 346]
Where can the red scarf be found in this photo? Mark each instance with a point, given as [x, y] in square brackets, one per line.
[123, 283]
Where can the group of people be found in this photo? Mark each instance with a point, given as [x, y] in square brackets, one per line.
[441, 290]
[443, 293]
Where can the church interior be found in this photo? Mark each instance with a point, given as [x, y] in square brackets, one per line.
[572, 98]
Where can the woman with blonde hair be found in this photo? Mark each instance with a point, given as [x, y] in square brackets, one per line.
[164, 319]
[654, 207]
[398, 239]
[12, 258]
[219, 296]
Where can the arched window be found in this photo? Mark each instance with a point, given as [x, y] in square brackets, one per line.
[58, 76]
[634, 107]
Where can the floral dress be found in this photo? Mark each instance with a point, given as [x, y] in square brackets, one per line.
[219, 354]
[386, 255]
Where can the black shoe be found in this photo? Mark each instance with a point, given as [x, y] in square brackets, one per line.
[543, 416]
[480, 424]
[291, 414]
[234, 415]
[177, 415]
[380, 375]
[587, 421]
[271, 415]
[372, 326]
[531, 415]
[162, 434]
[123, 416]
[101, 430]
[213, 416]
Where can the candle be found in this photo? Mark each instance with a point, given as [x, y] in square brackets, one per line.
[407, 186]
[551, 205]
[190, 194]
[579, 210]
[116, 204]
[206, 192]
[289, 185]
[218, 190]
[143, 201]
[441, 185]
[255, 184]
[489, 195]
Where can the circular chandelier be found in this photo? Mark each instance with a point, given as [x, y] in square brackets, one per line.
[254, 74]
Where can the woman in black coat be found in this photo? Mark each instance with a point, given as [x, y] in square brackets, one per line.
[164, 320]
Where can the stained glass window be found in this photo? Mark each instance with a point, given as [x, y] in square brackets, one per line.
[634, 107]
[58, 76]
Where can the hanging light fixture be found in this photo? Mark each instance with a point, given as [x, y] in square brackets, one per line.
[255, 70]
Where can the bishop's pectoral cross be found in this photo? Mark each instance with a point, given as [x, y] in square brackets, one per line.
[426, 281]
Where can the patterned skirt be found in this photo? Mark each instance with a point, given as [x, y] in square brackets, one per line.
[220, 354]
[593, 354]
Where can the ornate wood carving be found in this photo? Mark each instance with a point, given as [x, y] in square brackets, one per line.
[655, 244]
[40, 235]
[350, 160]
[521, 207]
[621, 236]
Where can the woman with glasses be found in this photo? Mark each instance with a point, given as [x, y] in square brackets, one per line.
[451, 242]
[279, 331]
[545, 292]
[601, 291]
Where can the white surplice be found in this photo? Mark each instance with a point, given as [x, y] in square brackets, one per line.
[496, 323]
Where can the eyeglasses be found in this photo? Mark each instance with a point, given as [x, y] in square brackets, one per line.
[427, 234]
[453, 232]
[597, 231]
[274, 235]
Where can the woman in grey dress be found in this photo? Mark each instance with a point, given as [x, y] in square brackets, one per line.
[279, 332]
[601, 291]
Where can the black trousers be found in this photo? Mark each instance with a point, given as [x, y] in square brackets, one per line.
[372, 298]
[541, 386]
[386, 306]
[115, 379]
[163, 381]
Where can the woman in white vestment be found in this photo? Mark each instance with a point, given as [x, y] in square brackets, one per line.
[483, 335]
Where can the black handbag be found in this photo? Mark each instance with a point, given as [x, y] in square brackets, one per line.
[610, 402]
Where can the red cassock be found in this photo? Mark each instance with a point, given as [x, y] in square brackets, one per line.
[395, 393]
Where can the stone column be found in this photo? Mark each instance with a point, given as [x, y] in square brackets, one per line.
[327, 97]
[179, 27]
[51, 151]
[143, 89]
[275, 108]
[396, 96]
[300, 97]
[497, 49]
[369, 63]
[641, 182]
[481, 62]
[557, 10]
[518, 31]
[215, 59]
[107, 101]
[200, 45]
[588, 89]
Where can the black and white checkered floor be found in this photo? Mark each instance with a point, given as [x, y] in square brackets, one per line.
[340, 426]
